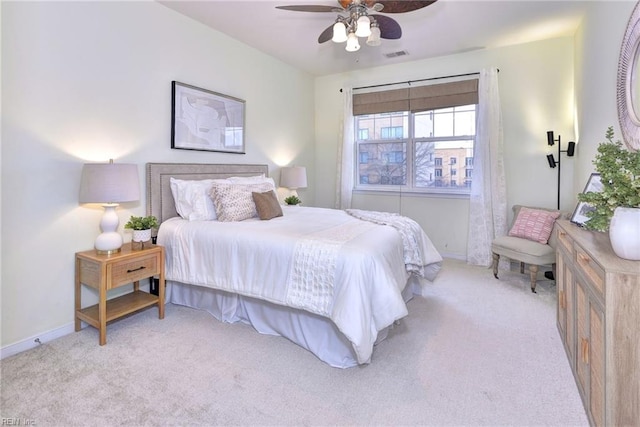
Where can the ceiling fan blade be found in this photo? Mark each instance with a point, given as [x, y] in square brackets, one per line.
[309, 8]
[326, 35]
[389, 27]
[391, 6]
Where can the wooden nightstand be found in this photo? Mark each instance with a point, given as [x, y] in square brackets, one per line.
[105, 272]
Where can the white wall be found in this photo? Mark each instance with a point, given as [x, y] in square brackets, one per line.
[88, 81]
[536, 91]
[598, 43]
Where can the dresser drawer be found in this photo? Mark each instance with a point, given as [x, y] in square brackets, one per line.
[125, 272]
[591, 271]
[565, 241]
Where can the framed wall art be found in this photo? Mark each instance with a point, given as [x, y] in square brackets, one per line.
[205, 120]
[594, 184]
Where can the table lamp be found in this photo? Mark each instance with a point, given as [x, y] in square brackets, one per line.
[109, 184]
[293, 177]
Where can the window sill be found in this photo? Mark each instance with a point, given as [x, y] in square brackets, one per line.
[411, 193]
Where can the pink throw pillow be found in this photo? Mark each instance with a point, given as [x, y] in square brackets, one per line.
[534, 224]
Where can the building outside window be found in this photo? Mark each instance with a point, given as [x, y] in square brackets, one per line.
[392, 132]
[406, 149]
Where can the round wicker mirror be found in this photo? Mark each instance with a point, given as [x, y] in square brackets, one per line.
[628, 94]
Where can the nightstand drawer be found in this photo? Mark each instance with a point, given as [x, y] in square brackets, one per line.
[126, 272]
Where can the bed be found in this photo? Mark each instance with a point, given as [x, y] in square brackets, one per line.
[332, 281]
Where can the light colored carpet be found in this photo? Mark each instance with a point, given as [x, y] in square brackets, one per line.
[477, 351]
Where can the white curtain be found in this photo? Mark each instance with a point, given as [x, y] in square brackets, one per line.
[346, 151]
[488, 201]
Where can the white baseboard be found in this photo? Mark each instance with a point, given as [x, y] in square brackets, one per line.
[459, 257]
[36, 340]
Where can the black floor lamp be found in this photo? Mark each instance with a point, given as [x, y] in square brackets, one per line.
[571, 148]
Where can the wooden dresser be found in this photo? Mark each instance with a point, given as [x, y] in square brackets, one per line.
[599, 322]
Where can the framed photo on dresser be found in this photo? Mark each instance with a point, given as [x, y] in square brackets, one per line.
[594, 184]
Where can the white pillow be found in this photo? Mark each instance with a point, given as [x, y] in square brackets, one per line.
[251, 179]
[234, 202]
[192, 198]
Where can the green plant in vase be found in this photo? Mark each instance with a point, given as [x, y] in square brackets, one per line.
[141, 226]
[292, 200]
[142, 222]
[616, 207]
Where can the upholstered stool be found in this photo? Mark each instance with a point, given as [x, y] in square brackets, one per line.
[527, 251]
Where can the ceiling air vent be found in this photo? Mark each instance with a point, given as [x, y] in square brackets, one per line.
[396, 54]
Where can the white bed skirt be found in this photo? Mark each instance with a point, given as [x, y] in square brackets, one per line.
[315, 333]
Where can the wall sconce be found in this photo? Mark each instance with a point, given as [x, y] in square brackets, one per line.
[109, 184]
[571, 148]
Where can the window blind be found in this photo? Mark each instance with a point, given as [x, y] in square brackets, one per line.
[418, 98]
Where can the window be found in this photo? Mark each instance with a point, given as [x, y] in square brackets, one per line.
[394, 157]
[409, 149]
[364, 157]
[414, 137]
[393, 132]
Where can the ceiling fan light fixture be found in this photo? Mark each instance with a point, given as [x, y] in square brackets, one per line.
[354, 20]
[339, 32]
[352, 43]
[363, 26]
[374, 37]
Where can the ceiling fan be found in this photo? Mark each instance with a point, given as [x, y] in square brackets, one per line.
[358, 21]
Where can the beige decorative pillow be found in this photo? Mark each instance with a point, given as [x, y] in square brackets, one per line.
[267, 205]
[234, 202]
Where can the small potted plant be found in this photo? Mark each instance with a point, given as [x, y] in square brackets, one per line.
[617, 207]
[141, 226]
[292, 200]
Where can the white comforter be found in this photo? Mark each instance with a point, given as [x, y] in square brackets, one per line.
[319, 260]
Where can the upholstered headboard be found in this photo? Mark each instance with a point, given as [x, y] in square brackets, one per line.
[159, 198]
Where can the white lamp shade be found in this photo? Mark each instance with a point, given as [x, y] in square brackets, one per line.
[339, 33]
[374, 38]
[109, 183]
[363, 27]
[352, 43]
[293, 177]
